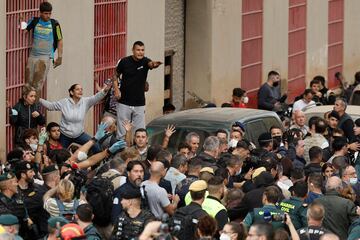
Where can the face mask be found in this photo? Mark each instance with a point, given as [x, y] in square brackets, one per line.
[224, 236]
[353, 181]
[275, 84]
[278, 139]
[246, 100]
[33, 146]
[82, 156]
[233, 143]
[239, 172]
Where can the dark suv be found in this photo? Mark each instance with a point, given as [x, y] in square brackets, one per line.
[205, 121]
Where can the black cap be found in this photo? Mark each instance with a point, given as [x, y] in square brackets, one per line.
[23, 166]
[49, 169]
[131, 193]
[265, 137]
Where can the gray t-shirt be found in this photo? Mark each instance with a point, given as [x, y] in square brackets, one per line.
[157, 198]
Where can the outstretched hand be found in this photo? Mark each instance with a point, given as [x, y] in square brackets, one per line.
[117, 146]
[170, 130]
[100, 133]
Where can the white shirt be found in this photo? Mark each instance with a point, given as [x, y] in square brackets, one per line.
[301, 104]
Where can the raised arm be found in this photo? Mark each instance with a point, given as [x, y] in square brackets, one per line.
[91, 101]
[51, 106]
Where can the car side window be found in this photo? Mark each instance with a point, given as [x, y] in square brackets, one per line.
[254, 129]
[271, 121]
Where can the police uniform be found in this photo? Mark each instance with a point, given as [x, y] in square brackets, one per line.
[127, 227]
[55, 222]
[33, 202]
[311, 232]
[258, 216]
[194, 210]
[296, 208]
[92, 233]
[10, 220]
[216, 209]
[14, 205]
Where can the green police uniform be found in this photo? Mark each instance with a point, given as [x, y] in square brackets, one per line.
[14, 205]
[92, 233]
[296, 208]
[257, 216]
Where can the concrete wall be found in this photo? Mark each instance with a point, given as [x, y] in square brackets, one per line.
[146, 22]
[213, 49]
[275, 38]
[2, 79]
[175, 40]
[78, 55]
[198, 49]
[226, 49]
[351, 39]
[316, 39]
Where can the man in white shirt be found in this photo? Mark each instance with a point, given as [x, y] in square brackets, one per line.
[305, 101]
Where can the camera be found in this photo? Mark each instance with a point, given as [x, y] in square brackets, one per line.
[281, 217]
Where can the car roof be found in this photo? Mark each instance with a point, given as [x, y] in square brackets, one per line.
[352, 110]
[225, 115]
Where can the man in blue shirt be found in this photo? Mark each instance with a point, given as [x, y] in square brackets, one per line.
[47, 37]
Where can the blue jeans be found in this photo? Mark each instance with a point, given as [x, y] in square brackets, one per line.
[82, 139]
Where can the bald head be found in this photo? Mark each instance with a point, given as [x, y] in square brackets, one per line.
[299, 118]
[329, 236]
[157, 168]
[333, 183]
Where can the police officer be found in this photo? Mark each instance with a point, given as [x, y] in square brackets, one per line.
[54, 224]
[269, 212]
[197, 192]
[84, 216]
[31, 195]
[212, 203]
[11, 224]
[10, 203]
[133, 219]
[295, 206]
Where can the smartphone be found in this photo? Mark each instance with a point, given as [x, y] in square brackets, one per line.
[108, 81]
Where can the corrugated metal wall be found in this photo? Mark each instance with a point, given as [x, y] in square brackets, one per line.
[109, 41]
[18, 43]
[251, 48]
[297, 48]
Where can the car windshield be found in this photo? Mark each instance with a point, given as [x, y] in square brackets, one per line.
[156, 135]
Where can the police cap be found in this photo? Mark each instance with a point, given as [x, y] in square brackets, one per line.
[49, 169]
[198, 185]
[207, 169]
[23, 166]
[6, 176]
[8, 220]
[54, 220]
[131, 193]
[265, 137]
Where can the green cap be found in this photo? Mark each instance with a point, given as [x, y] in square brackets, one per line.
[6, 176]
[8, 220]
[54, 220]
[49, 169]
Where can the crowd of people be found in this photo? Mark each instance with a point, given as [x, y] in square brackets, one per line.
[297, 181]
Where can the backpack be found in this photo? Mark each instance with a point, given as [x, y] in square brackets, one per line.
[99, 195]
[184, 225]
[67, 214]
[54, 24]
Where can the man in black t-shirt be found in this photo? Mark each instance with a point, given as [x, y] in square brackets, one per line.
[133, 71]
